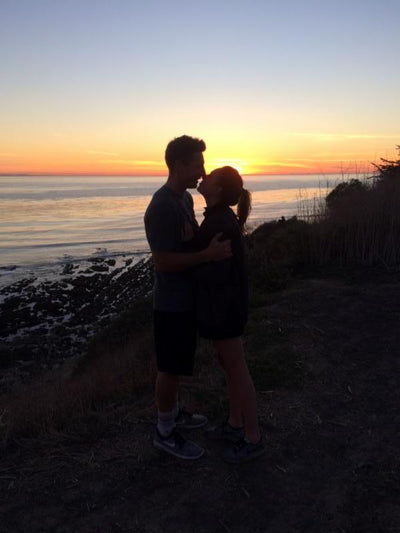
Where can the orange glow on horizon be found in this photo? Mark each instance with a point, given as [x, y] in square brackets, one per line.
[268, 157]
[243, 167]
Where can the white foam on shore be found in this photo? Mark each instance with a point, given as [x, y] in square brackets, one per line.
[54, 272]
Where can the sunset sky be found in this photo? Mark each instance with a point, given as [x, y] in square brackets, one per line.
[100, 87]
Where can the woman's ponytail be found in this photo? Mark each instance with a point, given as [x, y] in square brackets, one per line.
[233, 193]
[243, 207]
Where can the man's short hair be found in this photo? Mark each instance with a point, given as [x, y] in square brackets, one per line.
[182, 149]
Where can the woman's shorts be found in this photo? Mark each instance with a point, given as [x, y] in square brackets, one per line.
[175, 337]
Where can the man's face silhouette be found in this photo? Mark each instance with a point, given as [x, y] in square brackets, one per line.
[191, 172]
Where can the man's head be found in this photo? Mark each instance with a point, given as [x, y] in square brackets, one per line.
[184, 158]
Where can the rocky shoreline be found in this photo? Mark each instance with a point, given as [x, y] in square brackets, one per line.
[45, 322]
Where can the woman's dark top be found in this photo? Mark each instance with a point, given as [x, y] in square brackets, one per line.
[221, 286]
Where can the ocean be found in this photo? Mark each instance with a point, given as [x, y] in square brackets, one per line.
[47, 221]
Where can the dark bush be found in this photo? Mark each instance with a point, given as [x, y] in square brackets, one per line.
[344, 196]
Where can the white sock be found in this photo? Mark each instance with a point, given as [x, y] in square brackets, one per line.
[166, 422]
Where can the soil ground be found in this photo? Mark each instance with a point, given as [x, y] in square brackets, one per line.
[332, 460]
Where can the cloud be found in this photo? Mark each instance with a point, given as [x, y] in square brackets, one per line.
[362, 136]
[322, 154]
[134, 163]
[95, 152]
[333, 136]
[289, 165]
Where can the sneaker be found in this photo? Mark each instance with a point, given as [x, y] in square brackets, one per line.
[243, 451]
[177, 445]
[225, 432]
[186, 420]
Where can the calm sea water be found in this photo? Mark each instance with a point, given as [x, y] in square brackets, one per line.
[51, 220]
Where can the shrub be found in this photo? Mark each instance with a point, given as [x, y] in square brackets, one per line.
[360, 223]
[278, 249]
[388, 172]
[345, 196]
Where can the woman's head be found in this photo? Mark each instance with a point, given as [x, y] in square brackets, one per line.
[225, 186]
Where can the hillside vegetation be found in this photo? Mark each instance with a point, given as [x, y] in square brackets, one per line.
[356, 226]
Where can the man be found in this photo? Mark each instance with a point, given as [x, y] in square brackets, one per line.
[171, 229]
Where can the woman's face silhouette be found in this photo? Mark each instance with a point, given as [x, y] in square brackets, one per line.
[209, 187]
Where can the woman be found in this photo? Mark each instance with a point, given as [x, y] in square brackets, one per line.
[222, 304]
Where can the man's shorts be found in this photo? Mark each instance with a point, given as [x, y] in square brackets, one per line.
[230, 331]
[175, 336]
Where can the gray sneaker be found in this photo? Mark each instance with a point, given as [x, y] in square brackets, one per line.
[186, 420]
[177, 445]
[243, 451]
[224, 432]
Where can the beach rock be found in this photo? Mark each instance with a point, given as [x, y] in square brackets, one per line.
[79, 281]
[68, 269]
[49, 321]
[99, 268]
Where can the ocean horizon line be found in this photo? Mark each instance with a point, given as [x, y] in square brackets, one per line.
[92, 175]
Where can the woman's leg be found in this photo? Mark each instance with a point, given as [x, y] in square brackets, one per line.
[241, 391]
[235, 406]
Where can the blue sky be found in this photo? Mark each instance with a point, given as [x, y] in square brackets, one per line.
[125, 76]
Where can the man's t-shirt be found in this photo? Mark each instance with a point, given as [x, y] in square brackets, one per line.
[171, 226]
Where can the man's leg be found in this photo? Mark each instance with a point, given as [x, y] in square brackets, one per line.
[166, 438]
[175, 343]
[167, 386]
[170, 414]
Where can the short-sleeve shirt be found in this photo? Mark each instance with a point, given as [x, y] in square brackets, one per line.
[171, 226]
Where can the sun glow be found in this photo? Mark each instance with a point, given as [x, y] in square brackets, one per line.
[270, 155]
[239, 164]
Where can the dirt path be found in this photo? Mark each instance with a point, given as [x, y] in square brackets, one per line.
[332, 464]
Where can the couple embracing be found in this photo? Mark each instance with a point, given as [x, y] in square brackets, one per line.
[200, 289]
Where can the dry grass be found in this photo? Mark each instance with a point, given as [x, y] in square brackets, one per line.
[363, 229]
[115, 370]
[120, 369]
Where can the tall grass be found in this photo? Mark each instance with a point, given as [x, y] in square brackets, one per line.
[355, 224]
[361, 228]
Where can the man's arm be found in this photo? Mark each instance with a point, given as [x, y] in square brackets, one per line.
[179, 261]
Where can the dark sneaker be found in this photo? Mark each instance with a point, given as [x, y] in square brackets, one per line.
[225, 432]
[186, 420]
[178, 446]
[243, 451]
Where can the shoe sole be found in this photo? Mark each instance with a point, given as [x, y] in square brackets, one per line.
[159, 446]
